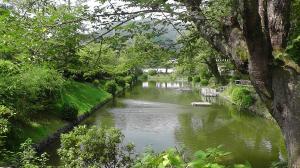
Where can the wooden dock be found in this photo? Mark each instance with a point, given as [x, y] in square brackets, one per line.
[185, 89]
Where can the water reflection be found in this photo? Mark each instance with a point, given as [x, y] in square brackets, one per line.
[248, 138]
[171, 85]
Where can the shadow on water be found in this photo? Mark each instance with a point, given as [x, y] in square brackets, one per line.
[160, 115]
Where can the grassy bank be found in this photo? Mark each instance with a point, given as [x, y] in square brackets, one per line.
[83, 95]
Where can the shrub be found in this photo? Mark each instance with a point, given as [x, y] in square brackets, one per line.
[197, 79]
[210, 158]
[5, 124]
[293, 50]
[152, 72]
[7, 68]
[33, 89]
[69, 112]
[205, 74]
[96, 82]
[144, 77]
[129, 80]
[121, 82]
[95, 147]
[111, 87]
[204, 82]
[29, 158]
[190, 79]
[242, 97]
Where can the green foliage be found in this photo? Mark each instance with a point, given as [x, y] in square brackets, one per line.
[6, 115]
[294, 20]
[95, 147]
[168, 158]
[33, 89]
[210, 158]
[101, 147]
[243, 53]
[129, 80]
[293, 50]
[241, 96]
[7, 68]
[69, 112]
[204, 73]
[280, 164]
[96, 82]
[190, 79]
[97, 59]
[204, 82]
[152, 72]
[144, 77]
[111, 87]
[197, 79]
[29, 157]
[121, 82]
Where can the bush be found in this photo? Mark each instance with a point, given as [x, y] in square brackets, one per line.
[5, 124]
[205, 74]
[190, 79]
[69, 112]
[144, 77]
[197, 79]
[204, 82]
[121, 82]
[129, 80]
[242, 97]
[7, 68]
[32, 90]
[152, 72]
[29, 158]
[95, 147]
[96, 82]
[111, 87]
[210, 158]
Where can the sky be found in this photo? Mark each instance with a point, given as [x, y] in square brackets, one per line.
[117, 3]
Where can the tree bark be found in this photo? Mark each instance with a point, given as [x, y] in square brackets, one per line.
[265, 25]
[265, 30]
[286, 110]
[213, 67]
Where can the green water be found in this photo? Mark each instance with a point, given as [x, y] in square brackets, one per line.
[160, 116]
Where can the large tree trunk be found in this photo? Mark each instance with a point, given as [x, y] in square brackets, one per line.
[265, 30]
[213, 68]
[286, 110]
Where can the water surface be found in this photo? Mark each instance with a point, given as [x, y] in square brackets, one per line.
[160, 115]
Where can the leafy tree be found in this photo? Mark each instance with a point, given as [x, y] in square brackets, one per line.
[28, 157]
[97, 59]
[95, 147]
[111, 87]
[6, 116]
[121, 82]
[69, 112]
[30, 90]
